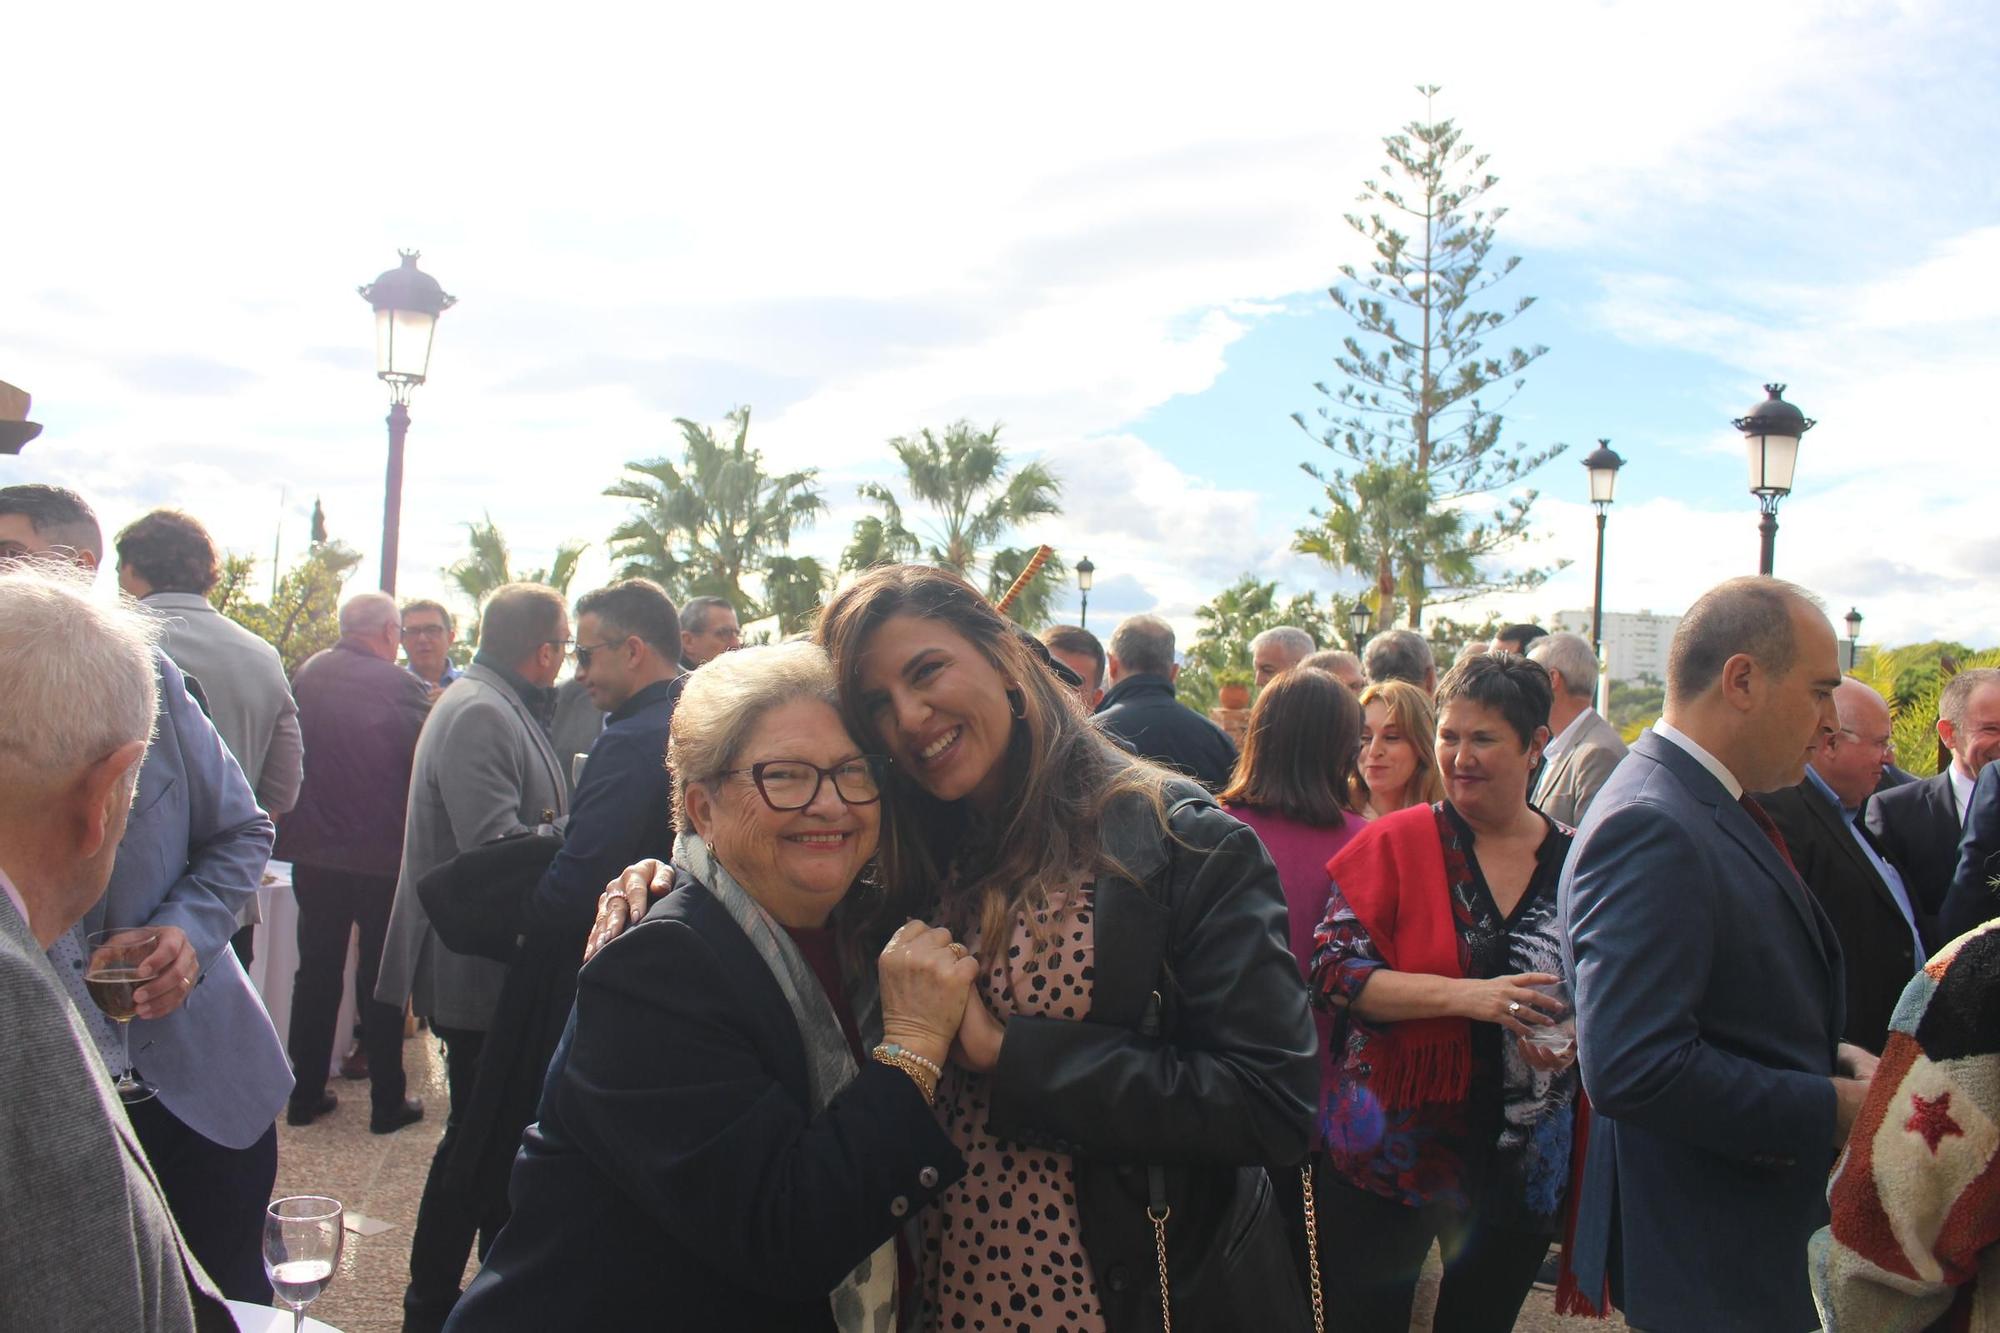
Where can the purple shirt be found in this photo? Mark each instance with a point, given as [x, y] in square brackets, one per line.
[1301, 852]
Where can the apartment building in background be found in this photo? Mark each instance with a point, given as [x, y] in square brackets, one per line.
[1635, 642]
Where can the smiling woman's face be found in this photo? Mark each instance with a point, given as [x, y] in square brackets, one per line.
[798, 863]
[1388, 759]
[938, 709]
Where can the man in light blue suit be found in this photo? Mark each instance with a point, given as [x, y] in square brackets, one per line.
[193, 852]
[1709, 986]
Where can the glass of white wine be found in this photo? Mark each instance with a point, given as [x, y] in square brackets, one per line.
[302, 1239]
[115, 972]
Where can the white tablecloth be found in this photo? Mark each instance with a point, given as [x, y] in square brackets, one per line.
[275, 961]
[263, 1319]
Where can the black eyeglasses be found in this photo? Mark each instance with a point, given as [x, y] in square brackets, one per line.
[584, 650]
[794, 784]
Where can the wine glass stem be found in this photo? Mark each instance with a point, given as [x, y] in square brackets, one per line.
[125, 1043]
[298, 1318]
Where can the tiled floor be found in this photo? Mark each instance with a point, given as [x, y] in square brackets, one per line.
[383, 1177]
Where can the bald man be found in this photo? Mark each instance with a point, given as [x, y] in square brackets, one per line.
[360, 713]
[1881, 933]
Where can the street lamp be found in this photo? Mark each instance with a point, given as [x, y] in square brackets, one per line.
[407, 304]
[1603, 465]
[1358, 616]
[1772, 432]
[1853, 618]
[1084, 573]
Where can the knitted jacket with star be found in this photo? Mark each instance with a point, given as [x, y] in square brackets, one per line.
[1914, 1242]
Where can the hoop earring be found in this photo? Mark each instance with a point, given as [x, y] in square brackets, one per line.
[1015, 696]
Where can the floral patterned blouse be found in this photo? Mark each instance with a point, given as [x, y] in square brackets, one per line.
[1505, 1148]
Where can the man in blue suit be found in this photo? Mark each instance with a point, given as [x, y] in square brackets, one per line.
[193, 852]
[1972, 900]
[1709, 986]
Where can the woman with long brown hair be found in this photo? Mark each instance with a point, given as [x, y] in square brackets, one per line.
[1139, 1050]
[1293, 786]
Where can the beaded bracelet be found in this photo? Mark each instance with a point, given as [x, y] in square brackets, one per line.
[924, 1073]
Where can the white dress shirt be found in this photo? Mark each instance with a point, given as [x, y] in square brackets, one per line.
[1961, 790]
[1667, 732]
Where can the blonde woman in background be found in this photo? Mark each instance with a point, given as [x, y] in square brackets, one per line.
[1398, 761]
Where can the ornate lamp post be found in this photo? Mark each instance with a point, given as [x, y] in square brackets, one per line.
[1853, 619]
[1603, 465]
[407, 304]
[1358, 616]
[1085, 572]
[1771, 431]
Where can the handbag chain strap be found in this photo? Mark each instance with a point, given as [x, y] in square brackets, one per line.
[1158, 1217]
[1312, 1247]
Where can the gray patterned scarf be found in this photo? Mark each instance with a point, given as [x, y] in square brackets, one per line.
[865, 1300]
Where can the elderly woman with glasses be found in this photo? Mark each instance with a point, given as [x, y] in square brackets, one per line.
[1139, 1052]
[738, 1122]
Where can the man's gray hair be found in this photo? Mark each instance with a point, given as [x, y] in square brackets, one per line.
[723, 702]
[1751, 614]
[79, 675]
[1294, 642]
[369, 613]
[1333, 660]
[1400, 654]
[1958, 693]
[1571, 655]
[1143, 645]
[695, 612]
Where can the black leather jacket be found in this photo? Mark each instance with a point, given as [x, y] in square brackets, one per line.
[1227, 1089]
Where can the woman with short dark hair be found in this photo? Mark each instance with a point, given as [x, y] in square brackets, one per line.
[1443, 1124]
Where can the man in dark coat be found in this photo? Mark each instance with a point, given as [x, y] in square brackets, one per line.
[1880, 928]
[1141, 713]
[627, 644]
[1918, 825]
[360, 714]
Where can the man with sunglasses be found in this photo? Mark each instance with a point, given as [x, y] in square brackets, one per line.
[627, 645]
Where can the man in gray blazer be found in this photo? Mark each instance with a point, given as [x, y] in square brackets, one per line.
[1708, 985]
[86, 1238]
[1584, 748]
[484, 769]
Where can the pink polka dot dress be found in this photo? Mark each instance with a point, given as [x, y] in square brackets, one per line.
[1003, 1248]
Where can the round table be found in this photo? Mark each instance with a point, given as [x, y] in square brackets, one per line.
[263, 1319]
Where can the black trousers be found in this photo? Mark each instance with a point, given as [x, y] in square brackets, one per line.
[447, 1223]
[217, 1195]
[1372, 1251]
[331, 903]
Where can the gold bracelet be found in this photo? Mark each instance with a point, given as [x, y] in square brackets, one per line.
[913, 1065]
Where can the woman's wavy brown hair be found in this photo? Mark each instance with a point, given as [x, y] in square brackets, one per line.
[1061, 772]
[1299, 753]
[1414, 715]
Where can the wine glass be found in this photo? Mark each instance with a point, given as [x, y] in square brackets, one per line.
[116, 970]
[302, 1239]
[1558, 1038]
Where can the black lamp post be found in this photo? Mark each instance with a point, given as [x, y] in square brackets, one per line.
[1603, 465]
[1853, 619]
[1085, 571]
[1772, 432]
[1358, 616]
[407, 304]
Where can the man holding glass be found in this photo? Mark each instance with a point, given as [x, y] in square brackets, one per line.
[87, 1235]
[212, 1074]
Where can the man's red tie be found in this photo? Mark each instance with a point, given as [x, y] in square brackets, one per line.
[1762, 820]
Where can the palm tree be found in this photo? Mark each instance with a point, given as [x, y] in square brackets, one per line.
[704, 525]
[487, 565]
[963, 479]
[1380, 521]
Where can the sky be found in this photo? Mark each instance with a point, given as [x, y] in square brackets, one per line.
[1109, 228]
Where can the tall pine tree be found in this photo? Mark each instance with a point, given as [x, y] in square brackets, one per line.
[1415, 412]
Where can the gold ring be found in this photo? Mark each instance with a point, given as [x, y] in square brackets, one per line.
[188, 982]
[957, 950]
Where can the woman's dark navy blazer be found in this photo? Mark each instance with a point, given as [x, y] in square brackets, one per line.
[677, 1178]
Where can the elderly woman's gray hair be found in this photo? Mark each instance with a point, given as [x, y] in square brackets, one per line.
[79, 674]
[723, 702]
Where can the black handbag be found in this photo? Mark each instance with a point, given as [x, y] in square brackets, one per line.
[475, 900]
